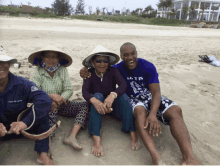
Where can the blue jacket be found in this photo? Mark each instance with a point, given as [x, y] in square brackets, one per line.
[17, 94]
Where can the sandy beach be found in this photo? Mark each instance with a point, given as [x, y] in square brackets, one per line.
[173, 50]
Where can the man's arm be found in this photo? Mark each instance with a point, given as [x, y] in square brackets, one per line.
[40, 99]
[84, 73]
[151, 120]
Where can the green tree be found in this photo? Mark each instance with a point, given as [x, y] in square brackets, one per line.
[148, 8]
[185, 10]
[192, 10]
[168, 4]
[174, 12]
[203, 5]
[62, 7]
[162, 4]
[80, 6]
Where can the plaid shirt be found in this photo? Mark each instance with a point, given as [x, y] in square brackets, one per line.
[60, 83]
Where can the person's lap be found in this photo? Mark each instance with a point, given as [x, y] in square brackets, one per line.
[165, 105]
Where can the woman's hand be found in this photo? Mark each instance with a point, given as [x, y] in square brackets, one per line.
[99, 106]
[58, 99]
[54, 106]
[108, 102]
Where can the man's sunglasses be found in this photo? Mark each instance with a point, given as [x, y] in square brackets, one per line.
[101, 60]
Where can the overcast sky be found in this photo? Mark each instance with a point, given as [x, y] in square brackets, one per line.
[116, 4]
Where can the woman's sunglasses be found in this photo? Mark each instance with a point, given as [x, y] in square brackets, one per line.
[101, 60]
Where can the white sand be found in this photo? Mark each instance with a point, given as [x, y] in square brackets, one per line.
[174, 51]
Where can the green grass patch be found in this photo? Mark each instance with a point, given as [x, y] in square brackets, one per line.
[135, 19]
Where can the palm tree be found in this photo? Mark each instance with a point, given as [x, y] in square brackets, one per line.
[192, 10]
[174, 11]
[203, 9]
[162, 5]
[168, 4]
[185, 10]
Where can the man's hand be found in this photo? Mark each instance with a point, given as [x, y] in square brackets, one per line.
[99, 106]
[84, 73]
[54, 106]
[16, 127]
[3, 130]
[108, 102]
[153, 124]
[58, 99]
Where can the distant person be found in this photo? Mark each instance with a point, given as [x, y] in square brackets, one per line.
[52, 76]
[100, 90]
[15, 93]
[143, 90]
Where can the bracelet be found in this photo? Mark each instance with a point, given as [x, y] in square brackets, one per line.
[116, 95]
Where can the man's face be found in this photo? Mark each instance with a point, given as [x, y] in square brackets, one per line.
[4, 70]
[129, 56]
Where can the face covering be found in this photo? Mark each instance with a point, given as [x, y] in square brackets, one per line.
[50, 69]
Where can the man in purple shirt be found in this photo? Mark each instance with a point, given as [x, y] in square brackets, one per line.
[149, 105]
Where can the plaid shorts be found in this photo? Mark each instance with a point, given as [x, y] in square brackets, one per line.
[146, 103]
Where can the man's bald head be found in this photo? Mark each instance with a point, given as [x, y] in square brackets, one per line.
[128, 44]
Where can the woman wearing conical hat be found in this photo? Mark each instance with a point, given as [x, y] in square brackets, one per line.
[51, 76]
[100, 90]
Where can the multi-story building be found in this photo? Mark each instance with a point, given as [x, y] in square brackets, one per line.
[207, 10]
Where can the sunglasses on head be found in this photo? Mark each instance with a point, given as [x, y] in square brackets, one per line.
[101, 60]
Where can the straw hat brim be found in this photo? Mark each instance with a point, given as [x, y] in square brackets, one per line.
[38, 54]
[113, 58]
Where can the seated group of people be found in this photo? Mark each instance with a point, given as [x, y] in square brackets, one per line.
[129, 91]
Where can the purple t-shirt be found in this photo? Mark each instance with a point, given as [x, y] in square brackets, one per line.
[110, 79]
[138, 79]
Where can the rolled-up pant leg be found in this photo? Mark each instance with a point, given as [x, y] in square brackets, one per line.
[122, 110]
[39, 128]
[95, 119]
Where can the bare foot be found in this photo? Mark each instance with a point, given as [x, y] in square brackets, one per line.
[71, 140]
[191, 161]
[97, 146]
[44, 159]
[134, 141]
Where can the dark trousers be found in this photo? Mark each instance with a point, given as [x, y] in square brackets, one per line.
[39, 127]
[121, 110]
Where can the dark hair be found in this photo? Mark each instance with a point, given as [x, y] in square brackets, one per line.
[127, 44]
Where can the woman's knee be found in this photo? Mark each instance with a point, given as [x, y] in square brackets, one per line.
[99, 96]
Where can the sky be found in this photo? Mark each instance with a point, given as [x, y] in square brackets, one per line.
[116, 4]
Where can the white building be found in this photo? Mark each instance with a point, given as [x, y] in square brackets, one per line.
[211, 10]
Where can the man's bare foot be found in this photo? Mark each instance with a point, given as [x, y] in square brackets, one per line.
[71, 140]
[191, 161]
[97, 146]
[134, 141]
[44, 159]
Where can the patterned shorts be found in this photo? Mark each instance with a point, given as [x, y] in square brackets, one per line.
[77, 109]
[146, 103]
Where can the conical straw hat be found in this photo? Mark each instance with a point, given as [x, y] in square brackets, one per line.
[113, 58]
[35, 58]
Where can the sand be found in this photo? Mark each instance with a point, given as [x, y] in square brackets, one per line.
[174, 51]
